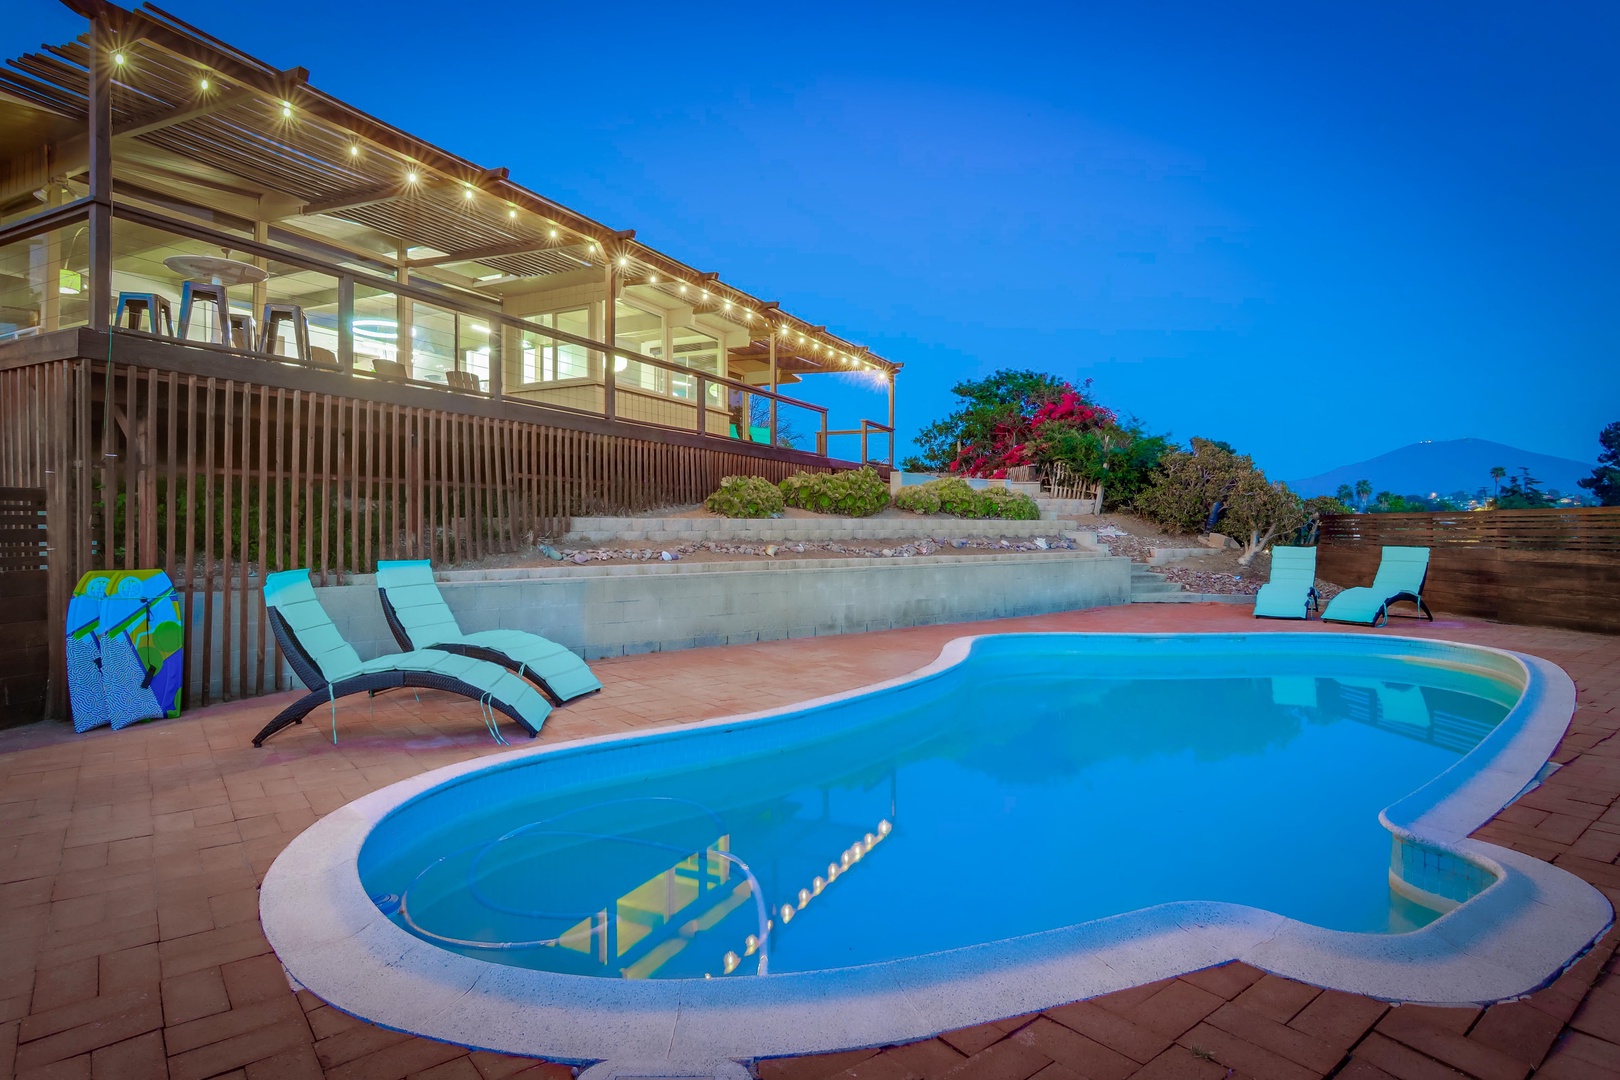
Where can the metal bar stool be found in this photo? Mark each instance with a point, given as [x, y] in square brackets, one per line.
[274, 315]
[152, 304]
[242, 330]
[194, 293]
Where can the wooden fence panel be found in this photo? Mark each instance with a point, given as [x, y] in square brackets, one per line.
[1536, 567]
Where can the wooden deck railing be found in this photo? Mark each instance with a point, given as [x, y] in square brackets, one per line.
[218, 478]
[1539, 567]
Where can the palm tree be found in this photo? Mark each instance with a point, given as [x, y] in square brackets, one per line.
[1497, 472]
[1363, 490]
[1346, 494]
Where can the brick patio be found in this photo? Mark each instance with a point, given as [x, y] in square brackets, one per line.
[129, 864]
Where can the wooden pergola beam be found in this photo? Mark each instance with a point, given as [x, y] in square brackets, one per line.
[171, 118]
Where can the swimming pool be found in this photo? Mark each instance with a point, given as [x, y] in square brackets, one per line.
[1029, 820]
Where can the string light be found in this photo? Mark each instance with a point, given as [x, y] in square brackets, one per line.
[118, 58]
[411, 177]
[511, 212]
[286, 109]
[683, 288]
[354, 150]
[623, 261]
[203, 84]
[652, 279]
[554, 234]
[467, 192]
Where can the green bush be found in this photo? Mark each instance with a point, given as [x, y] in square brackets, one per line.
[851, 493]
[745, 497]
[959, 499]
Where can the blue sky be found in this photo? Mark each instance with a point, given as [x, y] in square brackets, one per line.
[1316, 233]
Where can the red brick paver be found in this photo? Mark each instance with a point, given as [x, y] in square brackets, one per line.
[130, 944]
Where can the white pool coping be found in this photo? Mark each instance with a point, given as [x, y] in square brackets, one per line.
[1515, 936]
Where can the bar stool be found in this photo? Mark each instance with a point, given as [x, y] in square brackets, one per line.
[274, 315]
[242, 330]
[152, 304]
[200, 293]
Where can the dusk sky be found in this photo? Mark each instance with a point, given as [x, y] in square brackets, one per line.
[1317, 235]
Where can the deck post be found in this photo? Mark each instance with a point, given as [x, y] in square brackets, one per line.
[891, 419]
[345, 351]
[773, 387]
[610, 334]
[100, 134]
[404, 312]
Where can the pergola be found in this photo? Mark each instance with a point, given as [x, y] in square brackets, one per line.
[158, 111]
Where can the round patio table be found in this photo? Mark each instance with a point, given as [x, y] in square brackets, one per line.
[215, 270]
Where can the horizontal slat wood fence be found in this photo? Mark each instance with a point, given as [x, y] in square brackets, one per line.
[1593, 529]
[218, 482]
[1536, 567]
[22, 529]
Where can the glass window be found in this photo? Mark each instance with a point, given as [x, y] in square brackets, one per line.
[547, 360]
[696, 350]
[640, 331]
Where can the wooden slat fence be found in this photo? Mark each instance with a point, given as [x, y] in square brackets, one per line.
[219, 481]
[1538, 567]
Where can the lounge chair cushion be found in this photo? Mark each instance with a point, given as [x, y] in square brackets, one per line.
[1401, 573]
[293, 598]
[1293, 576]
[428, 623]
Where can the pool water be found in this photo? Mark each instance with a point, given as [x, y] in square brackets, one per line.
[1028, 788]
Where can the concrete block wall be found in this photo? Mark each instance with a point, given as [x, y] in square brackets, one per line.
[611, 611]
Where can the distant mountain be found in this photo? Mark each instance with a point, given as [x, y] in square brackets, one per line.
[1444, 467]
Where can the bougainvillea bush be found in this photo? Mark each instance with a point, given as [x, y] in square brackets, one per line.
[1003, 422]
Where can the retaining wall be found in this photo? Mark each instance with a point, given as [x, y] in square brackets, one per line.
[595, 530]
[610, 611]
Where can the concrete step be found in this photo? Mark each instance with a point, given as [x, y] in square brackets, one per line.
[1191, 598]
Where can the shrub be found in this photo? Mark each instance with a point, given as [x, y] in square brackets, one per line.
[959, 499]
[852, 493]
[745, 497]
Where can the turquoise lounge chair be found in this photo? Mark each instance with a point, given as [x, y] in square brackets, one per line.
[331, 668]
[1401, 575]
[420, 619]
[1291, 592]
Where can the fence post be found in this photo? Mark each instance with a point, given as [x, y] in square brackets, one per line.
[702, 405]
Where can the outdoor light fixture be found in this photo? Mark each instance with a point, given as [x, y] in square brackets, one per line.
[410, 177]
[623, 261]
[286, 109]
[203, 84]
[354, 151]
[683, 288]
[554, 234]
[118, 58]
[511, 212]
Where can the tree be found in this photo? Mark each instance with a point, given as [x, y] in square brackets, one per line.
[1497, 472]
[1318, 508]
[1363, 490]
[1604, 483]
[1523, 492]
[1210, 487]
[1346, 495]
[1121, 456]
[759, 416]
[992, 430]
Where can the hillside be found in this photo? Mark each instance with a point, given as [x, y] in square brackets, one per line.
[1444, 467]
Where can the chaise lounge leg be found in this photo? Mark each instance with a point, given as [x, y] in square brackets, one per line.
[292, 714]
